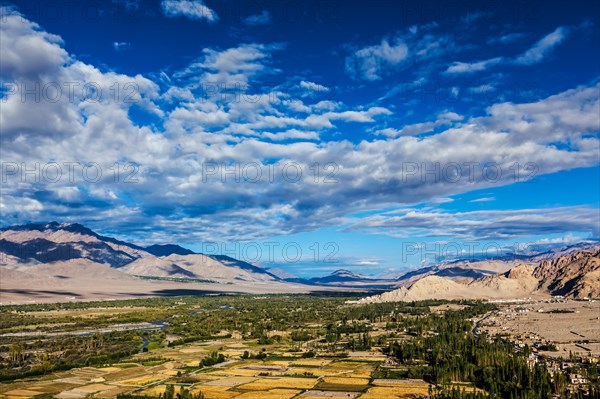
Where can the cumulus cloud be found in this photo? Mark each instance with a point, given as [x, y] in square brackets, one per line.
[192, 9]
[313, 86]
[178, 194]
[233, 67]
[27, 51]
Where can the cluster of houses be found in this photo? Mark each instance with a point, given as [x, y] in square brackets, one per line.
[572, 369]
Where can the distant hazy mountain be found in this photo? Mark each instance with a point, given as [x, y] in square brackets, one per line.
[347, 279]
[282, 274]
[458, 270]
[340, 276]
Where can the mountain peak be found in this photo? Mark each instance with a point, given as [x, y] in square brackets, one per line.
[60, 242]
[340, 272]
[168, 249]
[54, 242]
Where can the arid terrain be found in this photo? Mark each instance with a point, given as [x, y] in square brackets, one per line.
[572, 326]
[80, 280]
[572, 275]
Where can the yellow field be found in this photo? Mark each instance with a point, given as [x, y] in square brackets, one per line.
[109, 369]
[345, 365]
[192, 363]
[317, 372]
[311, 362]
[95, 387]
[271, 394]
[242, 372]
[145, 380]
[398, 392]
[346, 381]
[265, 384]
[155, 390]
[22, 393]
[369, 358]
[328, 395]
[403, 383]
[214, 392]
[283, 363]
[231, 381]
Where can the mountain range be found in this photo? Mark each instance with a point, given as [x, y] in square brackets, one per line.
[53, 242]
[54, 261]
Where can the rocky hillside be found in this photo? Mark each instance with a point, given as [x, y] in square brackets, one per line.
[576, 275]
[462, 270]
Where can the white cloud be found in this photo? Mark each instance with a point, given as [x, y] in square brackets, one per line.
[233, 67]
[484, 225]
[466, 67]
[484, 199]
[264, 18]
[368, 62]
[26, 50]
[554, 133]
[507, 38]
[313, 86]
[131, 5]
[193, 9]
[416, 45]
[121, 46]
[533, 55]
[543, 47]
[443, 119]
[292, 134]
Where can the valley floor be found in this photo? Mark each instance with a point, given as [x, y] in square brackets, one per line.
[297, 347]
[80, 289]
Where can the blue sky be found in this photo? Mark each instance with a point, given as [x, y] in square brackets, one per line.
[308, 136]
